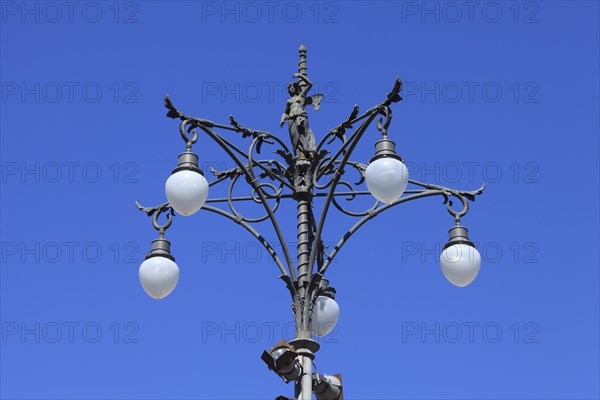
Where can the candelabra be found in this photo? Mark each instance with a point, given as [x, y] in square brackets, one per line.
[302, 172]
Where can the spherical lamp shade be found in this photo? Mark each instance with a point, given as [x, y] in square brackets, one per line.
[460, 264]
[159, 276]
[186, 191]
[325, 316]
[386, 179]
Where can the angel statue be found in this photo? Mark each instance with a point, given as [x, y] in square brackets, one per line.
[302, 137]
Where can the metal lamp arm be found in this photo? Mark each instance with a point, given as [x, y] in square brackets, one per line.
[165, 208]
[155, 213]
[348, 143]
[251, 162]
[256, 143]
[259, 136]
[340, 130]
[230, 149]
[275, 195]
[255, 184]
[176, 114]
[392, 97]
[462, 196]
[284, 274]
[336, 177]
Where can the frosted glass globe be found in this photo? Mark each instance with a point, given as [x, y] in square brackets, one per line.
[159, 276]
[325, 316]
[460, 264]
[186, 191]
[386, 179]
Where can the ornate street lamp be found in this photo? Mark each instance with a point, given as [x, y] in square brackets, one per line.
[301, 173]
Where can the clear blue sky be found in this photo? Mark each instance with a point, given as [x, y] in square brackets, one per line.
[501, 92]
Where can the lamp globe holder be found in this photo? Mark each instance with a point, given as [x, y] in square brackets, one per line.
[460, 261]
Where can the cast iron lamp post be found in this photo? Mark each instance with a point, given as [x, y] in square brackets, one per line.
[301, 173]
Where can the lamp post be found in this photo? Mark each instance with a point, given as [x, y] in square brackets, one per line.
[300, 174]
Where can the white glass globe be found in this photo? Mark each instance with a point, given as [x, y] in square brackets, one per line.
[386, 179]
[186, 191]
[325, 316]
[159, 276]
[460, 264]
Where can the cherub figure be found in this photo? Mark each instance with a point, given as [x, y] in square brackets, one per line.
[302, 137]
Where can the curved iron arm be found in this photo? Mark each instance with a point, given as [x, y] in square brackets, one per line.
[230, 149]
[339, 132]
[284, 275]
[317, 237]
[346, 149]
[276, 196]
[433, 190]
[234, 173]
[289, 196]
[166, 208]
[259, 163]
[156, 212]
[336, 177]
[392, 97]
[256, 185]
[352, 192]
[236, 127]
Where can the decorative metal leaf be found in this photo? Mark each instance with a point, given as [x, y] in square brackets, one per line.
[471, 195]
[353, 114]
[394, 95]
[361, 168]
[446, 192]
[339, 131]
[446, 199]
[245, 131]
[173, 112]
[322, 154]
[151, 210]
[319, 158]
[270, 173]
[239, 128]
[262, 138]
[230, 173]
[287, 280]
[287, 156]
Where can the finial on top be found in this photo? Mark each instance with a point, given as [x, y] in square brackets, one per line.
[302, 65]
